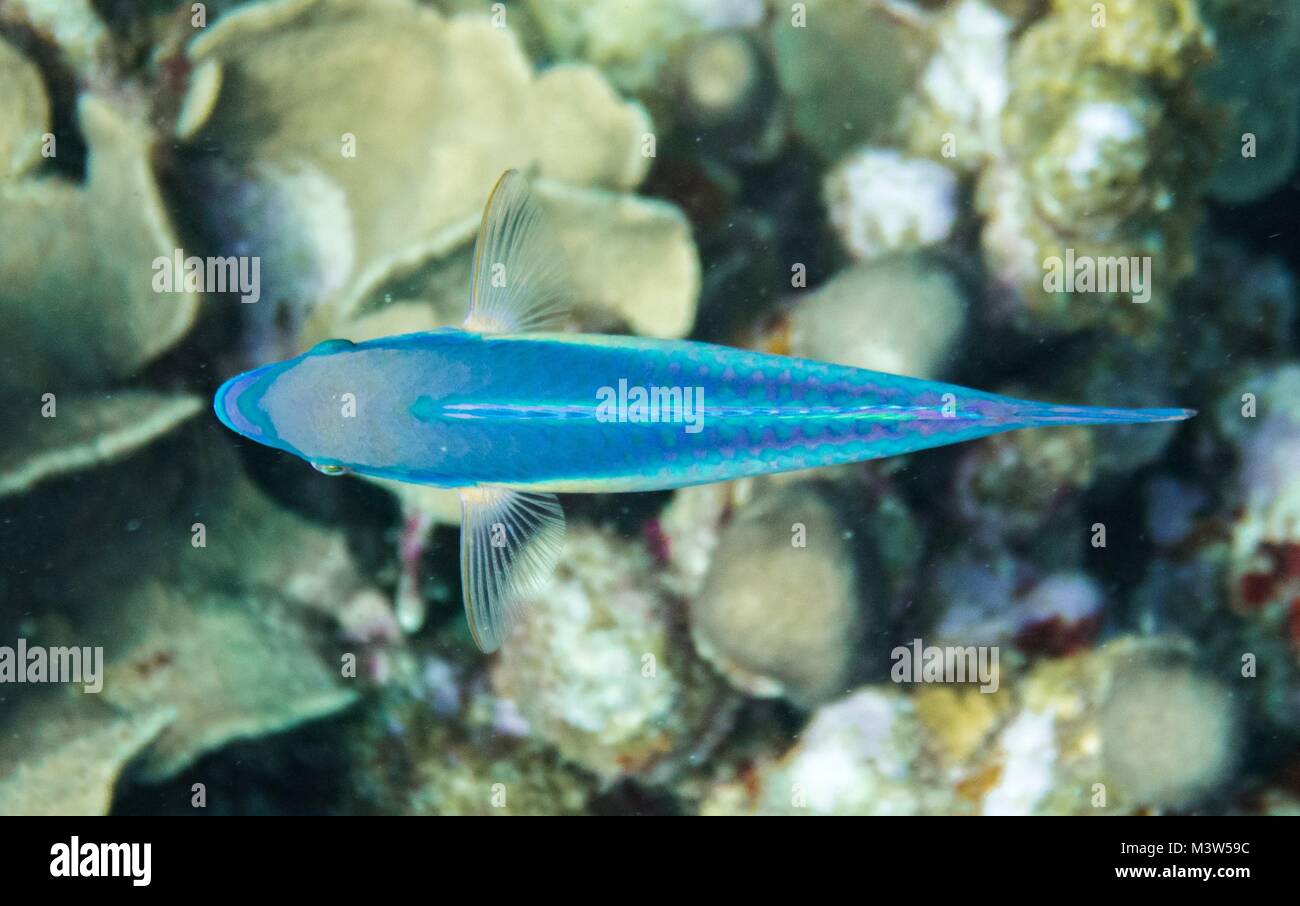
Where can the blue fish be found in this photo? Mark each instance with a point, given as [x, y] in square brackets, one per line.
[509, 414]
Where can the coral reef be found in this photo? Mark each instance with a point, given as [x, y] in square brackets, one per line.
[836, 103]
[1168, 734]
[1104, 151]
[1254, 76]
[25, 109]
[604, 672]
[634, 42]
[1014, 485]
[69, 763]
[856, 756]
[954, 115]
[92, 430]
[882, 202]
[234, 607]
[1083, 735]
[1263, 557]
[105, 233]
[1083, 203]
[382, 190]
[771, 553]
[411, 761]
[901, 314]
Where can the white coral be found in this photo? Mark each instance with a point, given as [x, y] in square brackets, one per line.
[882, 201]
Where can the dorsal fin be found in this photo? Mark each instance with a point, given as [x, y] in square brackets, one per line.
[517, 284]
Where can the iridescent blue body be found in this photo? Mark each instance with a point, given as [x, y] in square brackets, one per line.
[457, 409]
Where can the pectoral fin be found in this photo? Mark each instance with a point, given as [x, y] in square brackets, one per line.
[517, 283]
[510, 542]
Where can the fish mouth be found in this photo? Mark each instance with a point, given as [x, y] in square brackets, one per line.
[235, 407]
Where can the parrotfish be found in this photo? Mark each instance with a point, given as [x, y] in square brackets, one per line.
[510, 413]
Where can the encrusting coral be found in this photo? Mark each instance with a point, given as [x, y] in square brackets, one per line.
[605, 672]
[1104, 147]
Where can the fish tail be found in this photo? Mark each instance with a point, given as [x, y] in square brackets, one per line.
[1032, 414]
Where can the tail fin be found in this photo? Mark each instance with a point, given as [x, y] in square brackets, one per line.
[1031, 414]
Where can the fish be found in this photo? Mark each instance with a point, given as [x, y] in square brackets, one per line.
[510, 411]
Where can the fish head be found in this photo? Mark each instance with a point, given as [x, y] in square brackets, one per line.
[360, 407]
[306, 406]
[237, 403]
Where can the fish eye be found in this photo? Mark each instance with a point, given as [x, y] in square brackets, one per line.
[324, 347]
[327, 469]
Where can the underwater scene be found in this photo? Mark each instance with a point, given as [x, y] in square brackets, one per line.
[649, 407]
